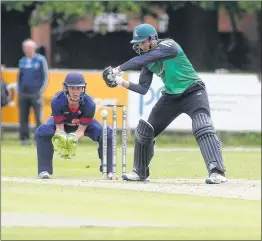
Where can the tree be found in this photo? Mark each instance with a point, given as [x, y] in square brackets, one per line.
[68, 11]
[199, 18]
[201, 31]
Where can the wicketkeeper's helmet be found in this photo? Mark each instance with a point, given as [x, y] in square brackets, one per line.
[74, 79]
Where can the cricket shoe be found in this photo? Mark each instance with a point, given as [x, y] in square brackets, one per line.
[216, 178]
[132, 176]
[44, 175]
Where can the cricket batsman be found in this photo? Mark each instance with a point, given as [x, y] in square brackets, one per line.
[72, 118]
[184, 92]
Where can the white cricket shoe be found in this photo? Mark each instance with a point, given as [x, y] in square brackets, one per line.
[215, 178]
[132, 176]
[44, 175]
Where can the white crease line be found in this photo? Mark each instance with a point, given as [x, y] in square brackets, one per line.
[17, 219]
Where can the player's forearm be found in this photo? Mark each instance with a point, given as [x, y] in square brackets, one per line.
[140, 89]
[145, 80]
[60, 127]
[135, 87]
[125, 84]
[80, 131]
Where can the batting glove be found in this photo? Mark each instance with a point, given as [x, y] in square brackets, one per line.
[119, 80]
[116, 71]
[111, 76]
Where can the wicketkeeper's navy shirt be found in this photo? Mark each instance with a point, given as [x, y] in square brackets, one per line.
[63, 114]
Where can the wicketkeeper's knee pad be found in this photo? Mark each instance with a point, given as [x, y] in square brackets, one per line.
[144, 148]
[45, 131]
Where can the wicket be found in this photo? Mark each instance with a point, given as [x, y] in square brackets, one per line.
[114, 138]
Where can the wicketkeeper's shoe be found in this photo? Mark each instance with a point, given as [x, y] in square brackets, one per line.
[44, 175]
[132, 176]
[216, 178]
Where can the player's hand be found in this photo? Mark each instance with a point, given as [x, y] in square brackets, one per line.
[59, 141]
[112, 77]
[72, 143]
[65, 153]
[109, 77]
[119, 80]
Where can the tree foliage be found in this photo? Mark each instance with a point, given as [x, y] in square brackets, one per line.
[66, 11]
[46, 11]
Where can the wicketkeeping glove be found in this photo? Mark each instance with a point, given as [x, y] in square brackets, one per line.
[72, 143]
[59, 141]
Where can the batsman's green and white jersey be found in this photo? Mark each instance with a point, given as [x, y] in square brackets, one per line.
[177, 73]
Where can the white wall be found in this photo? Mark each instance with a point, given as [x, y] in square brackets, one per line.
[235, 101]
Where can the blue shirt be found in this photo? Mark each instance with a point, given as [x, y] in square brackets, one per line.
[33, 74]
[63, 114]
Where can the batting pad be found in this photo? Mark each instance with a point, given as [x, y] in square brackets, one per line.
[144, 148]
[208, 142]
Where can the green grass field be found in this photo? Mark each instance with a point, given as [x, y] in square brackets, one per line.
[22, 161]
[188, 217]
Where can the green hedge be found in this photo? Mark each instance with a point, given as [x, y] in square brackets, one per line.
[180, 139]
[250, 139]
[187, 139]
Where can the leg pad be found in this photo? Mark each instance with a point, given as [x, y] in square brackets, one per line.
[144, 148]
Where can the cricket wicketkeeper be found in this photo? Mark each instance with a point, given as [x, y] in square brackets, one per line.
[72, 118]
[184, 93]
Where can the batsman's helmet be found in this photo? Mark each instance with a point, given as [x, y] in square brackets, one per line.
[74, 79]
[143, 32]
